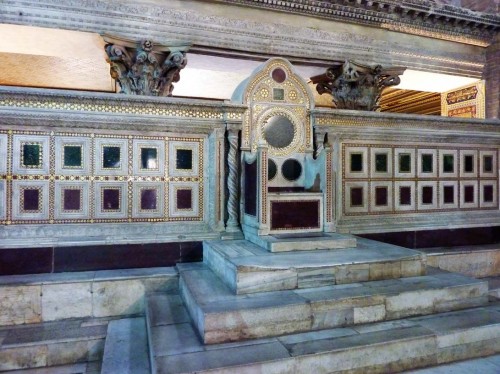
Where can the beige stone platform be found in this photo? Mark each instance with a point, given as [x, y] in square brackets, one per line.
[303, 242]
[220, 316]
[246, 268]
[383, 347]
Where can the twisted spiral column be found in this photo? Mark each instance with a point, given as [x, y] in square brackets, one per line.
[232, 182]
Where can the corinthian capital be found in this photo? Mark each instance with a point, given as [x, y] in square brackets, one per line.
[144, 68]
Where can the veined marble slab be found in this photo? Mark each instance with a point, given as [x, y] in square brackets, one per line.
[221, 316]
[372, 348]
[248, 268]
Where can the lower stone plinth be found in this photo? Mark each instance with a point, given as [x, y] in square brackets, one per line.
[247, 268]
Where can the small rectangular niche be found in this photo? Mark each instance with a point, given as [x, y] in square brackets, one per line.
[356, 162]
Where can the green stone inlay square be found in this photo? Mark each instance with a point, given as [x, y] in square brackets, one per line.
[72, 156]
[32, 155]
[469, 164]
[184, 159]
[488, 164]
[149, 158]
[405, 163]
[381, 162]
[356, 162]
[448, 164]
[427, 160]
[278, 94]
[111, 157]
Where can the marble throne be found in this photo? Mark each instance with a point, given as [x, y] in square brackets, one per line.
[286, 187]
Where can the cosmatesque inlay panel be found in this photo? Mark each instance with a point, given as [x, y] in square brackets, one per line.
[413, 178]
[99, 177]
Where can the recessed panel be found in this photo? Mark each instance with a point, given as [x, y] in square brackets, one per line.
[184, 159]
[72, 199]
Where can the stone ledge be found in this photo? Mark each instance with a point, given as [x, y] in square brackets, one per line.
[52, 297]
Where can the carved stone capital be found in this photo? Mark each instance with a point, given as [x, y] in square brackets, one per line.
[144, 68]
[357, 86]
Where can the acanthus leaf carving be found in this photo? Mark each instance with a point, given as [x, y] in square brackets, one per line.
[356, 86]
[145, 69]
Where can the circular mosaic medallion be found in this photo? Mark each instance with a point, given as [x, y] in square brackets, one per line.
[278, 131]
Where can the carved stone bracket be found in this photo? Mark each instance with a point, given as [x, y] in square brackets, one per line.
[144, 68]
[357, 86]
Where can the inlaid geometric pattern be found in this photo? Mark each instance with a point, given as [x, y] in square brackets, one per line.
[389, 179]
[63, 177]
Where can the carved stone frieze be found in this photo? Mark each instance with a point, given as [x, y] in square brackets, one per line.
[234, 35]
[421, 17]
[144, 68]
[357, 86]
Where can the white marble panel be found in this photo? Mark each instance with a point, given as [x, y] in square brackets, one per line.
[400, 152]
[83, 212]
[349, 208]
[469, 174]
[85, 145]
[3, 199]
[442, 203]
[470, 184]
[483, 204]
[420, 187]
[373, 197]
[174, 210]
[17, 157]
[18, 211]
[122, 167]
[443, 153]
[363, 151]
[482, 170]
[192, 146]
[100, 211]
[374, 153]
[429, 174]
[137, 210]
[156, 167]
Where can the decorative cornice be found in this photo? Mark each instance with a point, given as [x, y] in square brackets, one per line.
[79, 102]
[242, 36]
[355, 123]
[422, 17]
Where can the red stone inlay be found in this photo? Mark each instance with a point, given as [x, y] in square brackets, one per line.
[31, 199]
[110, 199]
[148, 199]
[404, 195]
[278, 75]
[184, 199]
[71, 199]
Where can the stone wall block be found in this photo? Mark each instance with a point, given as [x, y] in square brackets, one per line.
[66, 300]
[20, 304]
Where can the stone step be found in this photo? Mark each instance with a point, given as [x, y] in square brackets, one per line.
[126, 348]
[382, 347]
[52, 343]
[247, 268]
[303, 242]
[221, 316]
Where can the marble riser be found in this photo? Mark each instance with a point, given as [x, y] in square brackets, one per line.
[246, 269]
[51, 344]
[383, 347]
[330, 241]
[222, 317]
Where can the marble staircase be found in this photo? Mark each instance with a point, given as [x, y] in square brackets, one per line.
[373, 308]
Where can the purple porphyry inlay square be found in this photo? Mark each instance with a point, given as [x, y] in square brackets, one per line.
[184, 199]
[111, 199]
[148, 198]
[72, 199]
[31, 199]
